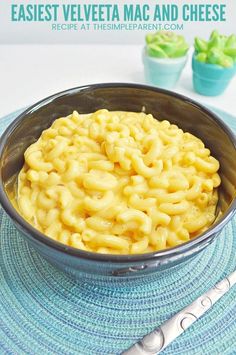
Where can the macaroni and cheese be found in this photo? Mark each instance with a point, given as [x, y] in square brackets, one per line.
[118, 183]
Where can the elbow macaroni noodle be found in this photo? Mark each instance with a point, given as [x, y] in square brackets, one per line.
[118, 183]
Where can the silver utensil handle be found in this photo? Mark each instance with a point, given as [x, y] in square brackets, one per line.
[160, 338]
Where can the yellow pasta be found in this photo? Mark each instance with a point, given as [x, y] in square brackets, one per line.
[118, 183]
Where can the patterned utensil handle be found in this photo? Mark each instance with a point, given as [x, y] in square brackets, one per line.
[156, 341]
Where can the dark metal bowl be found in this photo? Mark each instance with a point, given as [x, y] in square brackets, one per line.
[180, 110]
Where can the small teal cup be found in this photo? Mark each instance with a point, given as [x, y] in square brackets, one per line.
[210, 79]
[163, 72]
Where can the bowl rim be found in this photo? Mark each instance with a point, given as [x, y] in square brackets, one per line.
[28, 229]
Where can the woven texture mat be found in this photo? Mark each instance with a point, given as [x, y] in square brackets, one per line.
[43, 311]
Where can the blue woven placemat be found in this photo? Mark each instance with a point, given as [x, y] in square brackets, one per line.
[43, 311]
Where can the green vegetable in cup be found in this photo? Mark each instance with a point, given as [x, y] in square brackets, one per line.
[201, 45]
[220, 50]
[164, 44]
[202, 57]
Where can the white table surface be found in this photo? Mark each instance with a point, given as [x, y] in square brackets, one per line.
[29, 73]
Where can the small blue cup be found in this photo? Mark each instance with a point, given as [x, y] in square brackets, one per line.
[163, 72]
[210, 79]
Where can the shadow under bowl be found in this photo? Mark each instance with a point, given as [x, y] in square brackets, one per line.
[164, 105]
